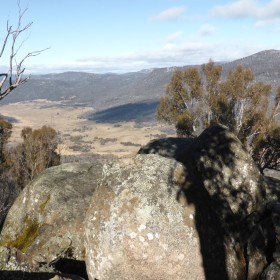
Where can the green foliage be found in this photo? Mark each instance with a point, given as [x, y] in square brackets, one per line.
[22, 163]
[8, 190]
[196, 98]
[266, 151]
[5, 133]
[35, 154]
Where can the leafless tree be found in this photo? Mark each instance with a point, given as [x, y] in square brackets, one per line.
[12, 44]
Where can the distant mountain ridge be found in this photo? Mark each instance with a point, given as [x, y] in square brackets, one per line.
[265, 65]
[103, 91]
[97, 90]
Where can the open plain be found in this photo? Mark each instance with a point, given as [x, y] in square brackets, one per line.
[80, 136]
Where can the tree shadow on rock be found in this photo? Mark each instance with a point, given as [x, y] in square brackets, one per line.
[211, 234]
[21, 275]
[222, 184]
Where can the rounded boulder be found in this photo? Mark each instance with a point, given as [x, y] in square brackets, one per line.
[46, 222]
[137, 227]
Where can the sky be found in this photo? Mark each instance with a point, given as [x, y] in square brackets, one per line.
[118, 36]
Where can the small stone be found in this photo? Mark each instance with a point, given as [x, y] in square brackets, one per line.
[133, 235]
[150, 236]
[141, 227]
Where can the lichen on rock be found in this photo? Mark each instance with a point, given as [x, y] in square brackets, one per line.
[135, 226]
[46, 220]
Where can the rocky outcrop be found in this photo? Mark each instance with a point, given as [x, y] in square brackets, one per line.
[155, 218]
[135, 226]
[181, 209]
[45, 223]
[222, 164]
[23, 275]
[218, 161]
[272, 272]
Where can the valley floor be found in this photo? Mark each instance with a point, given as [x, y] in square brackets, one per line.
[79, 135]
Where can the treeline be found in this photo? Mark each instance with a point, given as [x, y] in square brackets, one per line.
[21, 163]
[197, 97]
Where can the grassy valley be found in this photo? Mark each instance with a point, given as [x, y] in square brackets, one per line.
[107, 114]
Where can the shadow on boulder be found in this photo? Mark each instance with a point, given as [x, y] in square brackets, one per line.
[23, 275]
[227, 191]
[71, 267]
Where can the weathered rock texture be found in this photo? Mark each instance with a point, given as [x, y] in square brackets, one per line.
[23, 275]
[182, 209]
[218, 162]
[46, 221]
[136, 228]
[272, 272]
[152, 218]
[223, 165]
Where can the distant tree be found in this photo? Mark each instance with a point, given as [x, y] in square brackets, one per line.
[196, 98]
[8, 190]
[10, 45]
[37, 152]
[9, 48]
[8, 193]
[5, 133]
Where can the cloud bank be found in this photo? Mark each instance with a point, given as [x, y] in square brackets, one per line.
[170, 55]
[173, 13]
[261, 12]
[206, 29]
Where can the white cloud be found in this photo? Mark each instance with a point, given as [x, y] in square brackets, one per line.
[261, 23]
[239, 8]
[169, 55]
[174, 36]
[206, 29]
[249, 8]
[173, 13]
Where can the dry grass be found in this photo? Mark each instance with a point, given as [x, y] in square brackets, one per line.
[103, 139]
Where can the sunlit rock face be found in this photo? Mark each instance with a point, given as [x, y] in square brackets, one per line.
[136, 228]
[180, 209]
[46, 221]
[218, 162]
[150, 220]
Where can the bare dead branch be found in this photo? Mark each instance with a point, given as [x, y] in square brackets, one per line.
[14, 75]
[5, 76]
[5, 40]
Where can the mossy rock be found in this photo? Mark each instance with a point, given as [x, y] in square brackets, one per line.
[23, 241]
[46, 220]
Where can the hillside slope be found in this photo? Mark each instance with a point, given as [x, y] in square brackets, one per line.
[103, 91]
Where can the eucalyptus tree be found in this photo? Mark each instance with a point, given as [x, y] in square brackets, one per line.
[197, 97]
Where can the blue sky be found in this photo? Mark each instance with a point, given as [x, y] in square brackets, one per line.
[130, 35]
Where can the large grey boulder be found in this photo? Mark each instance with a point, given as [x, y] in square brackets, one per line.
[23, 275]
[218, 161]
[46, 221]
[272, 272]
[142, 225]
